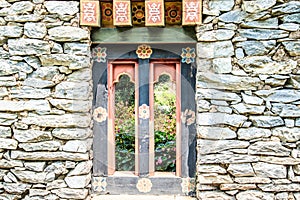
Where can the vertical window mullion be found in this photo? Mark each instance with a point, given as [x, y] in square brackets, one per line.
[143, 129]
[178, 120]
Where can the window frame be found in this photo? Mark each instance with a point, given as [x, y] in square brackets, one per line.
[161, 184]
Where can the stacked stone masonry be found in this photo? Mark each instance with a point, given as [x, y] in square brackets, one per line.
[45, 101]
[248, 100]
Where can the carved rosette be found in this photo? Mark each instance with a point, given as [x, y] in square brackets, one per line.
[99, 184]
[100, 114]
[144, 185]
[99, 54]
[144, 111]
[144, 51]
[188, 55]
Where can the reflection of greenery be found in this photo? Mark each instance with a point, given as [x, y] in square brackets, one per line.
[165, 125]
[124, 124]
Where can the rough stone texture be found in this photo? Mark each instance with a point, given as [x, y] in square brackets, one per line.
[215, 49]
[215, 146]
[41, 146]
[235, 16]
[264, 65]
[257, 48]
[31, 177]
[268, 148]
[81, 169]
[280, 187]
[68, 193]
[263, 34]
[211, 169]
[11, 31]
[271, 23]
[64, 121]
[71, 61]
[293, 47]
[221, 118]
[217, 95]
[35, 30]
[75, 146]
[72, 90]
[248, 109]
[253, 133]
[33, 156]
[212, 36]
[38, 54]
[227, 82]
[209, 195]
[284, 96]
[71, 133]
[254, 195]
[269, 170]
[62, 8]
[78, 181]
[68, 33]
[71, 105]
[238, 170]
[262, 86]
[215, 133]
[31, 105]
[31, 135]
[8, 143]
[214, 179]
[247, 180]
[266, 121]
[28, 47]
[287, 134]
[226, 158]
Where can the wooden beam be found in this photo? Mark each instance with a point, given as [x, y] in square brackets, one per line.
[144, 35]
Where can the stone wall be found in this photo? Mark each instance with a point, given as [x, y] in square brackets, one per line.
[248, 100]
[45, 101]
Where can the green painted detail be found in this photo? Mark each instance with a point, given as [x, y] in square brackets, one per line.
[144, 35]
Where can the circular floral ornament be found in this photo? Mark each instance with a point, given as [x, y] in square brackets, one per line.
[144, 51]
[144, 111]
[144, 185]
[100, 114]
[188, 55]
[99, 54]
[188, 117]
[99, 184]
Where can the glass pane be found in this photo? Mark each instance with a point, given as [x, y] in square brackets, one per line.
[124, 124]
[165, 124]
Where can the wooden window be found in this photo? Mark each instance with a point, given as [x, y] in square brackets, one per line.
[144, 157]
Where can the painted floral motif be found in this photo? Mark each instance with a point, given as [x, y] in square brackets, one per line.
[188, 55]
[144, 111]
[99, 54]
[107, 13]
[144, 185]
[188, 117]
[173, 12]
[100, 114]
[99, 184]
[144, 51]
[138, 13]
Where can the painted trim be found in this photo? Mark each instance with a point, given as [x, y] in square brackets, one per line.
[113, 75]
